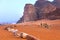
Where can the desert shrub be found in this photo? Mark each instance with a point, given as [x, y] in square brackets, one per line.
[45, 25]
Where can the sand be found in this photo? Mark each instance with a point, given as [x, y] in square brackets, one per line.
[34, 28]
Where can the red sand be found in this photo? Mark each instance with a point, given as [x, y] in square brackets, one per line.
[33, 28]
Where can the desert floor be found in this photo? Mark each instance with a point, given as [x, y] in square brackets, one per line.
[34, 28]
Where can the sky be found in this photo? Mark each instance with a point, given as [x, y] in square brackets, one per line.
[12, 10]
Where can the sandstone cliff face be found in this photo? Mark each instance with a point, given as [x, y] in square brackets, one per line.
[29, 13]
[56, 3]
[42, 9]
[54, 15]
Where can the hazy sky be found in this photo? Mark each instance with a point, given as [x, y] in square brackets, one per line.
[12, 10]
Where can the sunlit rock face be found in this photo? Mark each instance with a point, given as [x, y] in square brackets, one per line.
[29, 13]
[56, 3]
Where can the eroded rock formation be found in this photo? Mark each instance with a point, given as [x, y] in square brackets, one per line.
[29, 13]
[56, 3]
[42, 9]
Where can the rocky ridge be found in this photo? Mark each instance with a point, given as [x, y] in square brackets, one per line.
[42, 9]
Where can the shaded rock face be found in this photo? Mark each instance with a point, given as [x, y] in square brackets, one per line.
[42, 9]
[53, 15]
[41, 0]
[20, 20]
[56, 3]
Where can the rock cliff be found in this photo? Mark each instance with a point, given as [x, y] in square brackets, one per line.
[42, 9]
[56, 3]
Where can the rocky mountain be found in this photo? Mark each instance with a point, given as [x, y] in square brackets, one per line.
[42, 9]
[29, 13]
